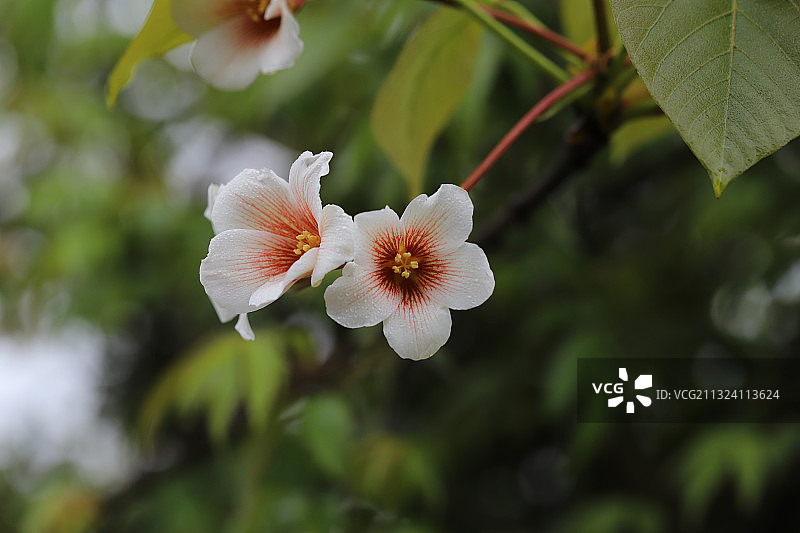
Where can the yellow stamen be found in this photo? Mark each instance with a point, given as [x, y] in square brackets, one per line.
[306, 241]
[256, 9]
[404, 263]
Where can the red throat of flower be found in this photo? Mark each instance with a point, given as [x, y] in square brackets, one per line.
[254, 28]
[405, 267]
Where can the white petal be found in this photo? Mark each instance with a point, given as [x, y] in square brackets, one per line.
[445, 217]
[463, 279]
[371, 228]
[240, 261]
[336, 248]
[275, 287]
[357, 299]
[196, 17]
[213, 190]
[226, 60]
[260, 200]
[417, 331]
[304, 179]
[223, 314]
[285, 47]
[244, 329]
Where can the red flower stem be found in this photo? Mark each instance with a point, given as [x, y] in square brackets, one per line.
[541, 32]
[530, 117]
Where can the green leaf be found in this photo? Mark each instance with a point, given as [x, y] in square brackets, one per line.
[423, 89]
[726, 72]
[264, 373]
[158, 36]
[215, 379]
[327, 429]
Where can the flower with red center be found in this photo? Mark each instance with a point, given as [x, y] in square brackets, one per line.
[237, 39]
[408, 272]
[271, 233]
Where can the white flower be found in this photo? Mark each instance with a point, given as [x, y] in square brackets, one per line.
[237, 39]
[409, 272]
[271, 233]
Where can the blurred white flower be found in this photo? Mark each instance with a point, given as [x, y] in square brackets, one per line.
[409, 272]
[271, 233]
[237, 39]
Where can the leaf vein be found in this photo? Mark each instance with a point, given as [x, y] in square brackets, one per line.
[759, 67]
[730, 79]
[771, 38]
[639, 6]
[653, 25]
[689, 76]
[700, 27]
[702, 113]
[693, 98]
[732, 139]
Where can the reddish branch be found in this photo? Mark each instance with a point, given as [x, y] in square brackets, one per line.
[541, 32]
[530, 117]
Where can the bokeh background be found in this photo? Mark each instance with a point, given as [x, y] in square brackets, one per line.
[125, 406]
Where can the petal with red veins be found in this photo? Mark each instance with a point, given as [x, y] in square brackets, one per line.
[336, 248]
[275, 287]
[443, 220]
[224, 56]
[375, 231]
[259, 200]
[359, 299]
[304, 179]
[239, 261]
[464, 279]
[417, 329]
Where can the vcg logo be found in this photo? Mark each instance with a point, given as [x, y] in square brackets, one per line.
[644, 381]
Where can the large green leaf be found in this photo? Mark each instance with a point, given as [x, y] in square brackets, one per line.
[216, 378]
[158, 36]
[726, 72]
[423, 89]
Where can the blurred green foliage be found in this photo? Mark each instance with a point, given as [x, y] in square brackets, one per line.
[316, 428]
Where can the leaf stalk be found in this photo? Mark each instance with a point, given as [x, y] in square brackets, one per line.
[502, 31]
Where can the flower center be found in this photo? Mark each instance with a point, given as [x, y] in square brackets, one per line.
[404, 263]
[306, 241]
[256, 9]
